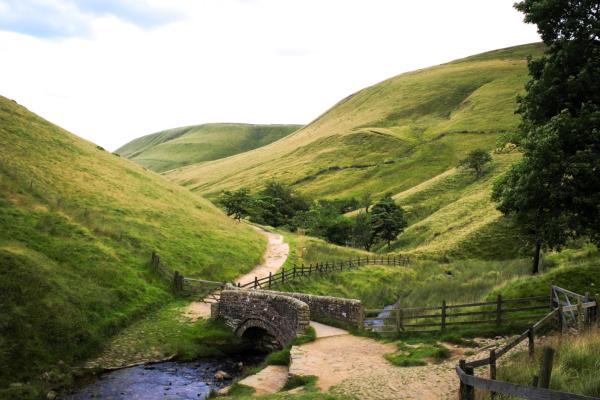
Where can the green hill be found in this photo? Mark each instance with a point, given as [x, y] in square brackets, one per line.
[406, 136]
[387, 137]
[78, 226]
[174, 148]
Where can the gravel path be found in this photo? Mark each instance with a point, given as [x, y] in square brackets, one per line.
[274, 257]
[356, 367]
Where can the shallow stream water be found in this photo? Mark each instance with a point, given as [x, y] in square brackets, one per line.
[165, 380]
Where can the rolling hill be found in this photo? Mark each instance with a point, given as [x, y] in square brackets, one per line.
[388, 137]
[178, 147]
[406, 136]
[78, 226]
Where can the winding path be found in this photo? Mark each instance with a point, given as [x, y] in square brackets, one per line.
[274, 257]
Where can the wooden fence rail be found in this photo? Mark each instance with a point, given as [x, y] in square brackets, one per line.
[320, 268]
[584, 313]
[441, 317]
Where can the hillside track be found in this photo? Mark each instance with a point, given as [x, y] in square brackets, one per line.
[275, 255]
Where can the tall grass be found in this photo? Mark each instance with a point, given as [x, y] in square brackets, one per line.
[575, 367]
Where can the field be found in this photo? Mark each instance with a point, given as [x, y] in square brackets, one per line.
[178, 147]
[78, 226]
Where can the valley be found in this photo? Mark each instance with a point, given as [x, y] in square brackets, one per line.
[85, 313]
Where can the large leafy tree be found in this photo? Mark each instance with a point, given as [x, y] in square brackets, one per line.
[476, 160]
[237, 203]
[387, 219]
[278, 204]
[362, 231]
[554, 191]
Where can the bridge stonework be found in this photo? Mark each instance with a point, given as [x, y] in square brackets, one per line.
[282, 315]
[327, 308]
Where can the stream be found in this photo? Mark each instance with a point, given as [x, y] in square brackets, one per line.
[164, 380]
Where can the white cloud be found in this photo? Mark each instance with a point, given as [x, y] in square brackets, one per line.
[267, 61]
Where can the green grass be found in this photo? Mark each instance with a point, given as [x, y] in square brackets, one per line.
[178, 147]
[307, 381]
[417, 355]
[423, 282]
[576, 269]
[575, 368]
[280, 357]
[78, 226]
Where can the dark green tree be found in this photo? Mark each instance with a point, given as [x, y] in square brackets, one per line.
[387, 219]
[277, 204]
[476, 160]
[340, 231]
[362, 231]
[237, 203]
[554, 191]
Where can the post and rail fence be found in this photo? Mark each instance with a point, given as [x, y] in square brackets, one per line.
[320, 268]
[183, 285]
[439, 318]
[573, 310]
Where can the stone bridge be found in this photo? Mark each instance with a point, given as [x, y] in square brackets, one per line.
[281, 315]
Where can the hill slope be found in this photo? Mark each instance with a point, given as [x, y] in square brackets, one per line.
[387, 137]
[194, 144]
[78, 225]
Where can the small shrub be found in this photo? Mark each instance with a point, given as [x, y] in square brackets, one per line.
[281, 357]
[294, 381]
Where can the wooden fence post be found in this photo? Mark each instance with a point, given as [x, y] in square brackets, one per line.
[579, 314]
[270, 277]
[255, 282]
[546, 367]
[294, 272]
[397, 320]
[587, 319]
[466, 392]
[443, 324]
[560, 319]
[493, 369]
[282, 275]
[499, 310]
[309, 269]
[531, 341]
[177, 282]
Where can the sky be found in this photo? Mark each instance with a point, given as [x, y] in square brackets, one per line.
[113, 70]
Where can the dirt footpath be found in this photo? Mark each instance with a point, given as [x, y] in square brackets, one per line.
[355, 366]
[275, 255]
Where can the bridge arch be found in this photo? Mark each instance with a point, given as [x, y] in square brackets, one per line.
[279, 316]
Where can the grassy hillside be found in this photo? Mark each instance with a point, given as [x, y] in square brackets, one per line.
[388, 137]
[77, 228]
[174, 148]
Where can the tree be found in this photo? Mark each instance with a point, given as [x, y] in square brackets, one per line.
[277, 204]
[365, 201]
[476, 160]
[555, 189]
[340, 231]
[237, 203]
[362, 231]
[387, 219]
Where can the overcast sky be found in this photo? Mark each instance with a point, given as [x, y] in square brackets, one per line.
[114, 70]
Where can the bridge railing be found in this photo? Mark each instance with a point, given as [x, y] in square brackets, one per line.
[320, 268]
